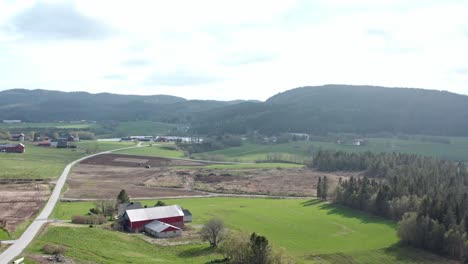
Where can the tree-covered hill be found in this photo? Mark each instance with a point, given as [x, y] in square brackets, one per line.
[345, 108]
[318, 110]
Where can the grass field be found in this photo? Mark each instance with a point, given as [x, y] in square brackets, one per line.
[92, 245]
[310, 231]
[155, 150]
[143, 128]
[40, 162]
[46, 125]
[456, 150]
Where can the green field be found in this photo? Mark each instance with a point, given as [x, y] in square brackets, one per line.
[310, 231]
[143, 128]
[156, 150]
[93, 245]
[45, 125]
[41, 162]
[456, 150]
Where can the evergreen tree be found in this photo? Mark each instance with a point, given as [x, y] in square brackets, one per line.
[319, 188]
[123, 197]
[325, 188]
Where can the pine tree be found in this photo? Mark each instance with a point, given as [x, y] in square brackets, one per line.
[319, 188]
[325, 188]
[123, 197]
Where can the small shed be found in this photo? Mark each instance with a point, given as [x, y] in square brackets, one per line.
[161, 229]
[187, 215]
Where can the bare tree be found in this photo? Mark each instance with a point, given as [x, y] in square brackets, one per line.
[213, 232]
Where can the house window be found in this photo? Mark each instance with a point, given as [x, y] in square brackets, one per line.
[174, 232]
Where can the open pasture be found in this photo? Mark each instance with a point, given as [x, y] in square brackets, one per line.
[309, 230]
[47, 163]
[456, 149]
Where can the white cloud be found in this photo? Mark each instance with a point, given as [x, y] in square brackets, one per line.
[238, 49]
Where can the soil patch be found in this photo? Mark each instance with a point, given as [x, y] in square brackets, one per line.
[101, 178]
[20, 202]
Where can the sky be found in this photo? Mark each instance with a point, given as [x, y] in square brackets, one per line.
[224, 50]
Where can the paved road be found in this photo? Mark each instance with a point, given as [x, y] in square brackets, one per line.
[20, 244]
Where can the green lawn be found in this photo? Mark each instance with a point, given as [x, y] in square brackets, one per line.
[96, 245]
[156, 149]
[41, 162]
[456, 150]
[310, 231]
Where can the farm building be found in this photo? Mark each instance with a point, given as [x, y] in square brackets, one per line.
[128, 206]
[17, 137]
[11, 121]
[136, 219]
[187, 215]
[161, 229]
[12, 148]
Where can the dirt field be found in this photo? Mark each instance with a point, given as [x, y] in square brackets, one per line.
[104, 176]
[19, 202]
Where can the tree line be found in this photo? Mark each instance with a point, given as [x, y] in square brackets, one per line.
[427, 196]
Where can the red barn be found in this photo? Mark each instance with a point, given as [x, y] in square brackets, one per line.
[13, 148]
[136, 219]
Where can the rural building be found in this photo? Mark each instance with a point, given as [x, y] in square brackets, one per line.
[128, 206]
[44, 144]
[12, 148]
[73, 139]
[17, 137]
[136, 219]
[161, 229]
[187, 215]
[11, 121]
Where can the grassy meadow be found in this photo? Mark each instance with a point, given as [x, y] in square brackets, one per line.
[45, 125]
[309, 230]
[143, 128]
[457, 149]
[41, 162]
[166, 150]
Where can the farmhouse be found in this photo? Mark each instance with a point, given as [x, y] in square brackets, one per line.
[136, 219]
[17, 137]
[12, 148]
[161, 229]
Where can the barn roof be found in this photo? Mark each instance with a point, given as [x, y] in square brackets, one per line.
[152, 213]
[159, 226]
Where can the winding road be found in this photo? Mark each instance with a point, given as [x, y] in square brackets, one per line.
[20, 244]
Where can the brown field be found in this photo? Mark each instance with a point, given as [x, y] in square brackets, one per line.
[20, 202]
[102, 177]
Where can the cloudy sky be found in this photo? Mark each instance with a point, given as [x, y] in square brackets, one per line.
[232, 49]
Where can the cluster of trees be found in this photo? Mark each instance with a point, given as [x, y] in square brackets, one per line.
[322, 188]
[427, 195]
[212, 143]
[239, 248]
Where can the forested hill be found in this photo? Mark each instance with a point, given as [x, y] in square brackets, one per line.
[318, 110]
[44, 105]
[345, 108]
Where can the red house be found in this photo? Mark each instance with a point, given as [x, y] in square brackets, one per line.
[136, 219]
[12, 148]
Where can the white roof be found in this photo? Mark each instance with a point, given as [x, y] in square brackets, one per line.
[153, 213]
[159, 226]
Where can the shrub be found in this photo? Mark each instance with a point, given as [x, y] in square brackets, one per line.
[53, 249]
[89, 219]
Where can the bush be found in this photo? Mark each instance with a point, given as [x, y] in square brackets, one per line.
[89, 219]
[53, 249]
